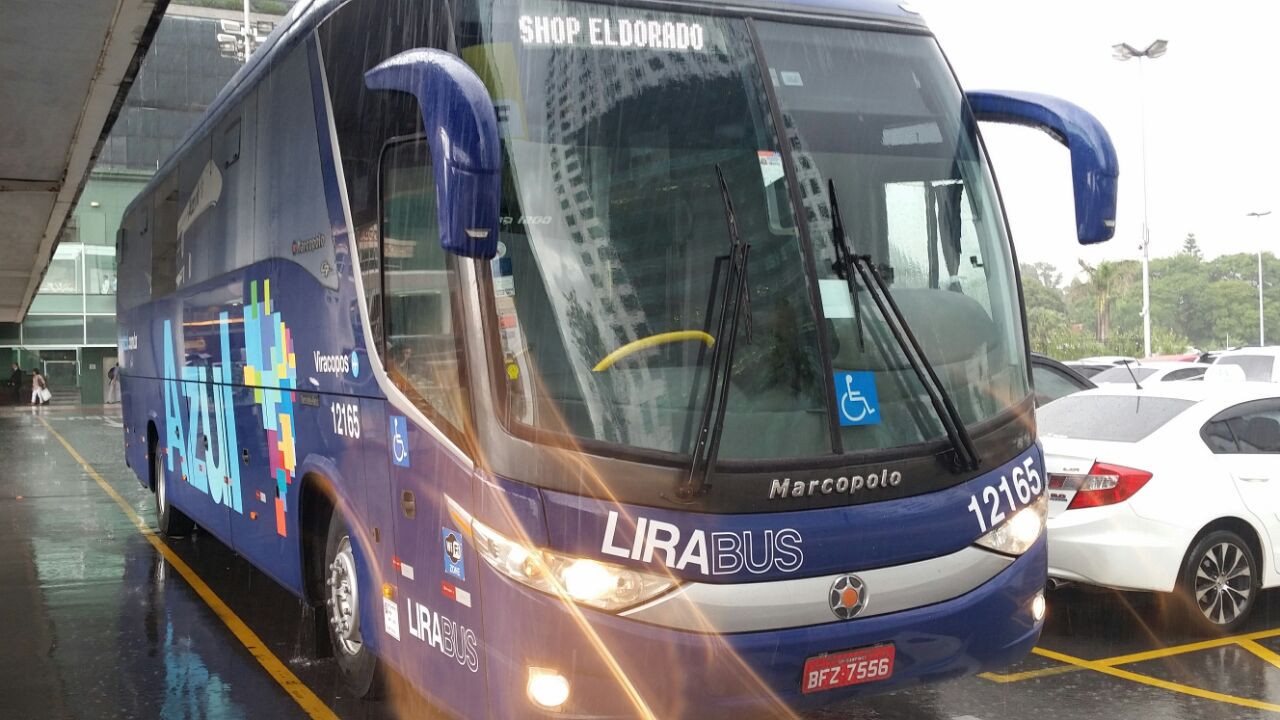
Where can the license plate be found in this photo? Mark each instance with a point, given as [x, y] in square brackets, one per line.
[855, 667]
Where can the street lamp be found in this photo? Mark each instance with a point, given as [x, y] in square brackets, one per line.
[1123, 52]
[1261, 334]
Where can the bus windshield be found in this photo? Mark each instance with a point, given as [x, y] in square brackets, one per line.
[610, 269]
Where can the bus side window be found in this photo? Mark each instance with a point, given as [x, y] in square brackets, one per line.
[164, 239]
[421, 352]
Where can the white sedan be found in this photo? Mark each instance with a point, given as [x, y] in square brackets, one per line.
[1174, 488]
[1150, 371]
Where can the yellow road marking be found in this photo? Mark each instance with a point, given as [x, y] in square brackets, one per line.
[1138, 657]
[1157, 682]
[301, 694]
[1261, 651]
[1029, 674]
[1189, 647]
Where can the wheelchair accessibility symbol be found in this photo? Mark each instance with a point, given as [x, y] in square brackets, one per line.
[399, 441]
[857, 399]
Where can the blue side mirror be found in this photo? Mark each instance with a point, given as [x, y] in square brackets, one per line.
[462, 133]
[1094, 168]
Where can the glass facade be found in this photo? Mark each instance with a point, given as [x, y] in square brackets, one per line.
[72, 317]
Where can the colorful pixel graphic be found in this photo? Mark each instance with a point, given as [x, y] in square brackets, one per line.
[203, 445]
[271, 368]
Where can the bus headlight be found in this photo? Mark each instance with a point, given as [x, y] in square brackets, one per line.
[1019, 532]
[601, 585]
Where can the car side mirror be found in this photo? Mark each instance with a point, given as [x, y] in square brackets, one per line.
[462, 134]
[1094, 168]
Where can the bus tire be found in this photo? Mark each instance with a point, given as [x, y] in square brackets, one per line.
[170, 521]
[343, 596]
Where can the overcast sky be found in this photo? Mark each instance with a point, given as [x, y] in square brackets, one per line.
[1212, 127]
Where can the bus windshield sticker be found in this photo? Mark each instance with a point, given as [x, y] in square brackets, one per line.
[856, 397]
[792, 78]
[770, 166]
[391, 617]
[837, 303]
[398, 443]
[453, 553]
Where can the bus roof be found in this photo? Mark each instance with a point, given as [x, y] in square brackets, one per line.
[306, 15]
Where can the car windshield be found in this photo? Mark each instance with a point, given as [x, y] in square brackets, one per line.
[608, 281]
[1115, 418]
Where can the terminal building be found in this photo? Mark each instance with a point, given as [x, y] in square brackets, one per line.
[69, 333]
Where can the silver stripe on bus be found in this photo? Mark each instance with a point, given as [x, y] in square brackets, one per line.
[394, 396]
[754, 607]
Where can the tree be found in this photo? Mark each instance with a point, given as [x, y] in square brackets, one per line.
[1191, 247]
[1038, 294]
[1106, 281]
[1045, 273]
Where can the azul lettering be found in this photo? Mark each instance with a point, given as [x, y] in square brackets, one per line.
[715, 553]
[451, 639]
[204, 440]
[782, 488]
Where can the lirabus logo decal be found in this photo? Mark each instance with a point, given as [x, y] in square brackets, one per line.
[715, 553]
[204, 444]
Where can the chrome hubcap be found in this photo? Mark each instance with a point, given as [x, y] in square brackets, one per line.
[1224, 583]
[344, 599]
[160, 489]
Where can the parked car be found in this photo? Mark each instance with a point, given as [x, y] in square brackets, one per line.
[1260, 364]
[1052, 379]
[1173, 489]
[1147, 371]
[1107, 360]
[1087, 369]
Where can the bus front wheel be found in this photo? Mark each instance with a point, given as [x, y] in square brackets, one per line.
[170, 521]
[343, 598]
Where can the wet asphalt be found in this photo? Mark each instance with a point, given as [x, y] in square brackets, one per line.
[96, 624]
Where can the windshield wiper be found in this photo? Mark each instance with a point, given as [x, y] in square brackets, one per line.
[733, 301]
[964, 455]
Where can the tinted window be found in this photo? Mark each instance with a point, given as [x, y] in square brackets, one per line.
[1120, 418]
[1250, 428]
[1256, 367]
[1051, 384]
[1121, 374]
[1218, 437]
[1183, 374]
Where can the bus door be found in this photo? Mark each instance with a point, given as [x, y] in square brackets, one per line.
[434, 560]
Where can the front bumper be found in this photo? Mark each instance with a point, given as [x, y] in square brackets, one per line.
[615, 665]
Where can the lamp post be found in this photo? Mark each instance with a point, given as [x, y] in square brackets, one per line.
[1123, 52]
[1262, 337]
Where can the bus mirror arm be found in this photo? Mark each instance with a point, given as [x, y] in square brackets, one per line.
[1094, 167]
[462, 134]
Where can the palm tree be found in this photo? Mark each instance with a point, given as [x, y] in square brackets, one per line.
[1106, 281]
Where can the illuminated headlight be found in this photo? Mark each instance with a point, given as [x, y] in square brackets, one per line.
[600, 585]
[1019, 532]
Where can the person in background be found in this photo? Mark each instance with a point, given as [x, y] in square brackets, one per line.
[15, 382]
[39, 388]
[113, 385]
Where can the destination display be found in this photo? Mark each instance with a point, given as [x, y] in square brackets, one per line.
[573, 31]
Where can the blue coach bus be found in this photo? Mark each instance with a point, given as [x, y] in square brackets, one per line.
[658, 359]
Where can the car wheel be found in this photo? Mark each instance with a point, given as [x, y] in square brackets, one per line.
[170, 521]
[343, 599]
[1219, 582]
